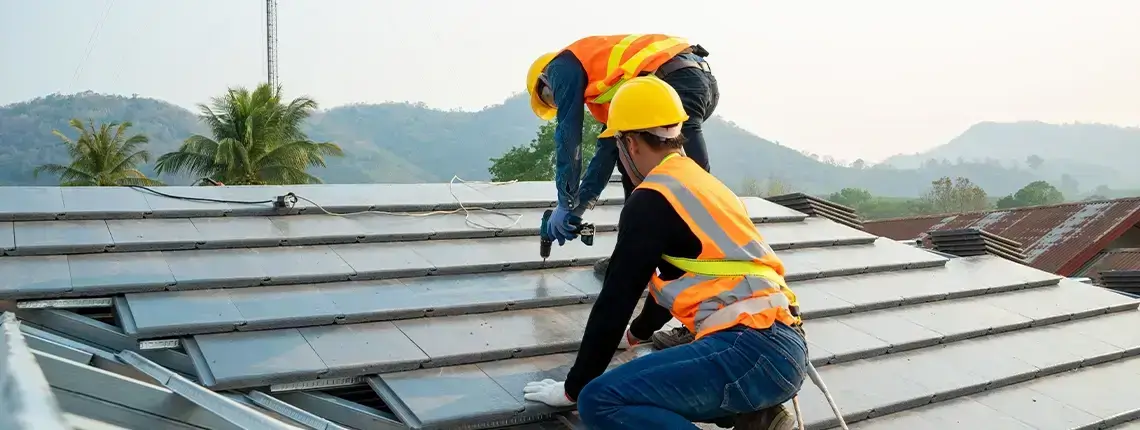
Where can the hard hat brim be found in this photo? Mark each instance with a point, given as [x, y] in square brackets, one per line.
[542, 110]
[546, 113]
[608, 132]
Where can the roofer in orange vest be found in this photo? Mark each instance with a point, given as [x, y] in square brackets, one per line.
[716, 276]
[585, 75]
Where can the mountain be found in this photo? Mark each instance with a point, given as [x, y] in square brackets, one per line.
[403, 142]
[1089, 153]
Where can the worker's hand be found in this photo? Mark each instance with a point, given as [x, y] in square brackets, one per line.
[547, 391]
[563, 225]
[629, 340]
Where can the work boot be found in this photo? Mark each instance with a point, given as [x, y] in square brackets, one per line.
[773, 418]
[668, 339]
[725, 422]
[601, 267]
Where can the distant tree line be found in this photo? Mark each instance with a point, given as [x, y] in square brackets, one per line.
[535, 162]
[945, 196]
[255, 139]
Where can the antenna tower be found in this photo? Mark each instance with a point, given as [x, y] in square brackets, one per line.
[271, 41]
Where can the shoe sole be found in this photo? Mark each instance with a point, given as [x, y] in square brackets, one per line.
[755, 421]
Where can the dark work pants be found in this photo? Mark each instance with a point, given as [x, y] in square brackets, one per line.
[699, 95]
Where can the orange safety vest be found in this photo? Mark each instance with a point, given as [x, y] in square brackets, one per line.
[728, 238]
[611, 60]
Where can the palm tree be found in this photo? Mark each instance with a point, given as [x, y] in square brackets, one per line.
[101, 157]
[257, 140]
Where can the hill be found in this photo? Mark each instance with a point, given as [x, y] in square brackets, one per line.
[1092, 154]
[402, 142]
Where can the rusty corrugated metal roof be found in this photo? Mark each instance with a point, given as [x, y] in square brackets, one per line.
[1056, 238]
[1112, 259]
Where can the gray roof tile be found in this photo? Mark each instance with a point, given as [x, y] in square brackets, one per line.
[154, 234]
[30, 203]
[112, 273]
[61, 237]
[34, 276]
[265, 356]
[103, 203]
[7, 237]
[446, 321]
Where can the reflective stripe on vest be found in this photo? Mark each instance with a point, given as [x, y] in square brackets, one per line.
[618, 72]
[712, 284]
[608, 59]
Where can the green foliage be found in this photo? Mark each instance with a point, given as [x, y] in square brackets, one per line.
[772, 186]
[102, 156]
[951, 196]
[27, 141]
[1037, 193]
[535, 162]
[891, 207]
[850, 197]
[409, 142]
[257, 139]
[1034, 161]
[871, 207]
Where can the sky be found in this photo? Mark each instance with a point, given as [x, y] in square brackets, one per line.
[851, 79]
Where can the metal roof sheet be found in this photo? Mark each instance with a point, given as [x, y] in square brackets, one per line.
[1112, 259]
[226, 315]
[1057, 238]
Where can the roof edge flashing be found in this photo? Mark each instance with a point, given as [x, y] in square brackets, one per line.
[25, 395]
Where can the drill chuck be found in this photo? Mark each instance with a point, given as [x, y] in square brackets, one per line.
[545, 242]
[585, 231]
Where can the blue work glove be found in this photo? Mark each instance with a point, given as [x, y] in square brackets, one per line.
[563, 225]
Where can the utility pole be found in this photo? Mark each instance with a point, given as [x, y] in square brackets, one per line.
[271, 41]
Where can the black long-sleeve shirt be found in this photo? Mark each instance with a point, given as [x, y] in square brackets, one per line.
[648, 228]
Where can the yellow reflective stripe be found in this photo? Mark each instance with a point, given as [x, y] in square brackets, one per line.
[629, 68]
[721, 268]
[618, 51]
[607, 94]
[667, 157]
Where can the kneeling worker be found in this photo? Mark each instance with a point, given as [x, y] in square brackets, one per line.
[717, 276]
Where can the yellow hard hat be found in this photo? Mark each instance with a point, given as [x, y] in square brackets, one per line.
[540, 108]
[643, 103]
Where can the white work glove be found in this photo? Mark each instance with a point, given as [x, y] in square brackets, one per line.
[629, 340]
[547, 391]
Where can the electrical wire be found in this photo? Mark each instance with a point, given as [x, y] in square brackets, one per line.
[284, 199]
[91, 44]
[515, 217]
[818, 381]
[200, 199]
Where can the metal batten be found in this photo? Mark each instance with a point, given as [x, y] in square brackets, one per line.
[225, 408]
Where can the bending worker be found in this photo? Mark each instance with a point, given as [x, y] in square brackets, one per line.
[586, 74]
[717, 276]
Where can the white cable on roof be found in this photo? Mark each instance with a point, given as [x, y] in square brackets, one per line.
[450, 189]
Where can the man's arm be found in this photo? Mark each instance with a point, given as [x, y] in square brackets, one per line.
[640, 244]
[568, 80]
[598, 173]
[653, 316]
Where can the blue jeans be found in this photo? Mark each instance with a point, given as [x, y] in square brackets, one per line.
[730, 372]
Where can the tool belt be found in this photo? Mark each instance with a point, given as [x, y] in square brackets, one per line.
[677, 62]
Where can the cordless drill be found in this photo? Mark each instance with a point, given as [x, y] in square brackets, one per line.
[584, 229]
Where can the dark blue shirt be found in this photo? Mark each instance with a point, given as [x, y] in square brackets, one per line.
[568, 81]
